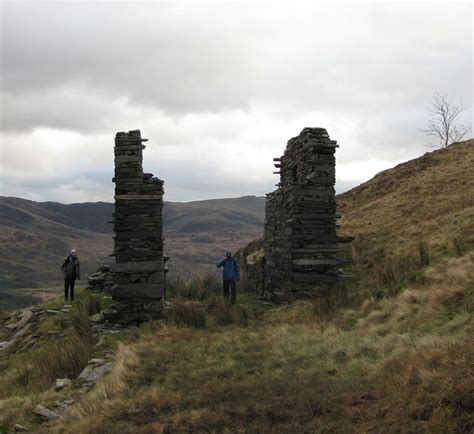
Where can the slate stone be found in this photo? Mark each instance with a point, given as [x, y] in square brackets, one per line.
[300, 241]
[45, 413]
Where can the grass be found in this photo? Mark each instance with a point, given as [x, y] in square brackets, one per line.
[397, 364]
[200, 286]
[65, 343]
[419, 211]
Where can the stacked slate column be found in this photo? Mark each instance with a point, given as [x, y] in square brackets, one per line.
[138, 226]
[301, 245]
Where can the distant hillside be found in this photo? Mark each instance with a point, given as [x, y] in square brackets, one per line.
[35, 237]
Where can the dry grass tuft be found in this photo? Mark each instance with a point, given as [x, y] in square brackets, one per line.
[224, 313]
[429, 390]
[189, 314]
[198, 287]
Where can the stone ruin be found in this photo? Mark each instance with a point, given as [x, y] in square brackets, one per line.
[301, 249]
[139, 270]
[300, 241]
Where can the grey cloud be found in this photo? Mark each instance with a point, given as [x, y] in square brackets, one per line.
[232, 79]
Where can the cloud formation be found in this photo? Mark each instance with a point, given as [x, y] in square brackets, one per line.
[218, 89]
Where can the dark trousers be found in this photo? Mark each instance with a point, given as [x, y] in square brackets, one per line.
[229, 285]
[69, 288]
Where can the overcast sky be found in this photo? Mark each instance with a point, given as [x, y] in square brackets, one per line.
[218, 89]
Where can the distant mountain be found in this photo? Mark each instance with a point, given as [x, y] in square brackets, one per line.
[36, 236]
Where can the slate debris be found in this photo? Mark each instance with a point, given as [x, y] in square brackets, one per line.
[302, 248]
[45, 413]
[101, 280]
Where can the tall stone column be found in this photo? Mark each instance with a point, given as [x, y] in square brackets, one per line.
[300, 242]
[138, 226]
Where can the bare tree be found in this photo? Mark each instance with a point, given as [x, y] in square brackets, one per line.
[443, 122]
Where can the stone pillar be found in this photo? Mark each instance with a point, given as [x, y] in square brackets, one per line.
[138, 226]
[300, 242]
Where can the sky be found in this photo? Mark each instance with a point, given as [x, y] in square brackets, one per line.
[218, 89]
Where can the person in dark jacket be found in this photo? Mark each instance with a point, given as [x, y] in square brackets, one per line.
[230, 275]
[71, 271]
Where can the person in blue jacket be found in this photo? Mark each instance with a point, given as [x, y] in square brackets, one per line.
[230, 275]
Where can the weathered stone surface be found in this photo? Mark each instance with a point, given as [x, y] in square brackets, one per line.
[63, 383]
[45, 413]
[137, 266]
[97, 318]
[138, 272]
[91, 373]
[138, 291]
[300, 242]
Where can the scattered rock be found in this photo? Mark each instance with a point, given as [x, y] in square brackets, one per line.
[98, 318]
[63, 383]
[96, 361]
[91, 374]
[53, 311]
[19, 333]
[30, 342]
[63, 405]
[101, 280]
[133, 410]
[109, 314]
[45, 413]
[19, 428]
[25, 316]
[65, 310]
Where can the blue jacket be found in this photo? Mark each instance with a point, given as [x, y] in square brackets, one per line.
[231, 269]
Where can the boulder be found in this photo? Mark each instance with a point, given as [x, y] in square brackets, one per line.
[63, 383]
[45, 413]
[91, 373]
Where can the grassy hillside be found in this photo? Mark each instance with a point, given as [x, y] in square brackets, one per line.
[399, 364]
[391, 351]
[426, 204]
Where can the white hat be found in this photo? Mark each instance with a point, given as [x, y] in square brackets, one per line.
[73, 251]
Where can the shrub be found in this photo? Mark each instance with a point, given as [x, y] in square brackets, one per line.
[88, 305]
[188, 314]
[198, 287]
[225, 313]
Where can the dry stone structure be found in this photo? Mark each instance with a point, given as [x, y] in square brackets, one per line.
[139, 269]
[300, 242]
